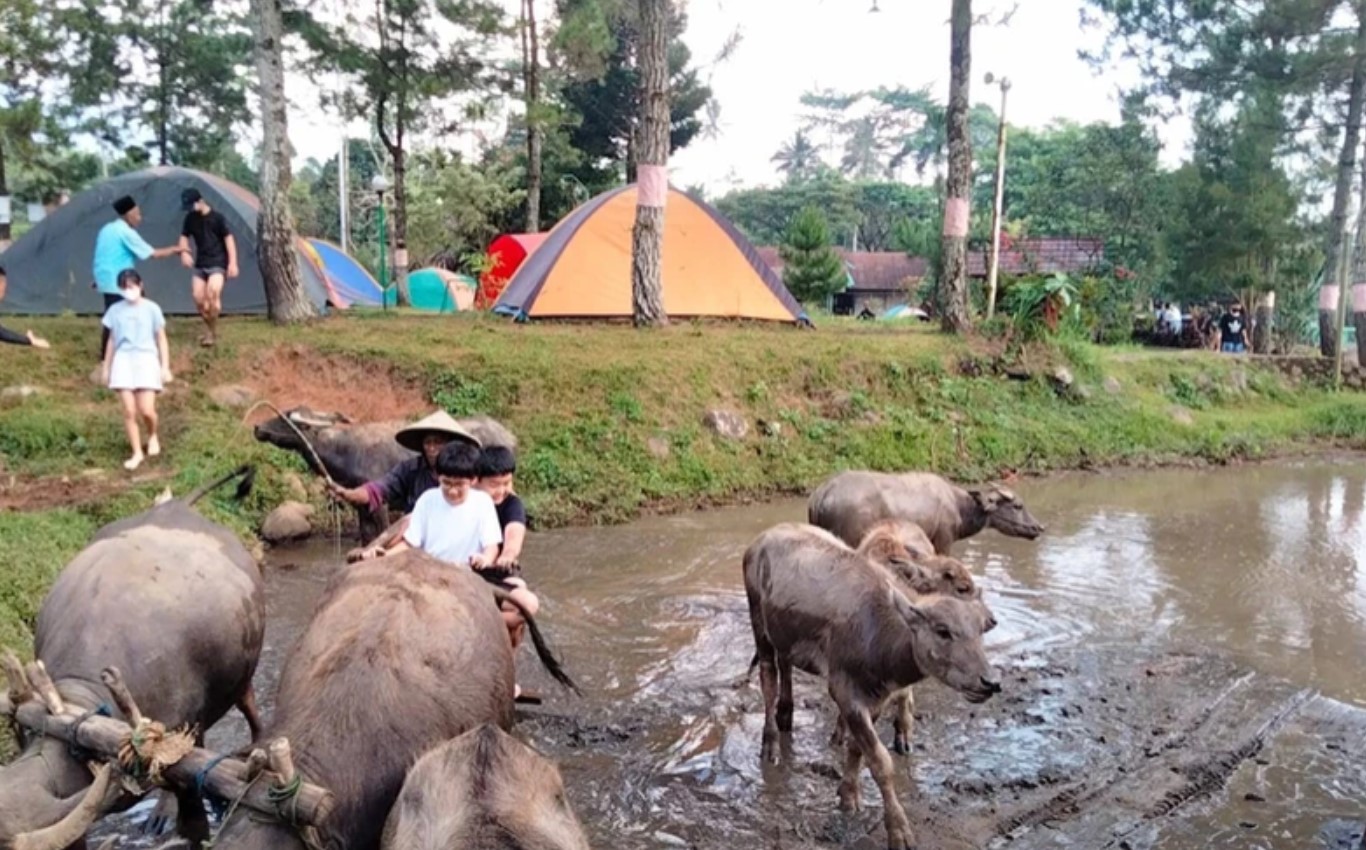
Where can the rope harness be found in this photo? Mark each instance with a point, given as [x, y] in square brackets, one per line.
[75, 750]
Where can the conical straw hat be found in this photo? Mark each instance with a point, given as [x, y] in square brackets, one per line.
[440, 423]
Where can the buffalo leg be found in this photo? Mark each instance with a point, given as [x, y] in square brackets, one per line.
[784, 712]
[849, 789]
[768, 684]
[903, 701]
[837, 736]
[192, 822]
[247, 705]
[863, 738]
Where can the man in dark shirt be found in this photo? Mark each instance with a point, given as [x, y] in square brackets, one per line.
[215, 255]
[1233, 330]
[9, 336]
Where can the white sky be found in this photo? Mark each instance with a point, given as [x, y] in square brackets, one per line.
[792, 46]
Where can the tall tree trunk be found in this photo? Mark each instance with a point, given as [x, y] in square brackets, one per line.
[1263, 322]
[286, 300]
[531, 64]
[400, 229]
[1358, 277]
[652, 171]
[1331, 287]
[953, 284]
[4, 193]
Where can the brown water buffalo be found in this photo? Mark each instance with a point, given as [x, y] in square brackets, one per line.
[356, 453]
[841, 616]
[173, 601]
[852, 502]
[402, 654]
[485, 790]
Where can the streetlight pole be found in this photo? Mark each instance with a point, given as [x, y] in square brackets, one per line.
[994, 266]
[380, 184]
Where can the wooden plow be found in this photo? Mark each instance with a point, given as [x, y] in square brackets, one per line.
[140, 754]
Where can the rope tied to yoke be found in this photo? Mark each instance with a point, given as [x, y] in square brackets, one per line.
[147, 750]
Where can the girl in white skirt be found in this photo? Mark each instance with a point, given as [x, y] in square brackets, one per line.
[137, 362]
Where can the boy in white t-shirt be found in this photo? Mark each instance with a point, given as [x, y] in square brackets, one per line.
[454, 522]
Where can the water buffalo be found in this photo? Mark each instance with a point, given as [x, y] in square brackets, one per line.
[852, 502]
[843, 617]
[356, 453]
[402, 654]
[173, 601]
[903, 549]
[485, 790]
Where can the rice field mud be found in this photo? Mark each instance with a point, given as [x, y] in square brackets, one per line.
[1183, 656]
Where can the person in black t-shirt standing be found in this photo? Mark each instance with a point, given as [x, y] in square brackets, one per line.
[1233, 330]
[215, 257]
[497, 464]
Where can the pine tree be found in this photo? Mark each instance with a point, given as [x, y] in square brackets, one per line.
[811, 268]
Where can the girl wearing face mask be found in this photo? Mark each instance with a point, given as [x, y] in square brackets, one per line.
[137, 362]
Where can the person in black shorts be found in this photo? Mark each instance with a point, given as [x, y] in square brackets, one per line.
[497, 464]
[214, 260]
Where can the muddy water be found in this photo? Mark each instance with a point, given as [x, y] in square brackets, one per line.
[1177, 643]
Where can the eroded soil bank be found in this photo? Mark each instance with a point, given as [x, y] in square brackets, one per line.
[1182, 653]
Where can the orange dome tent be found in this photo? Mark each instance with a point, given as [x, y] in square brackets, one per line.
[583, 268]
[507, 254]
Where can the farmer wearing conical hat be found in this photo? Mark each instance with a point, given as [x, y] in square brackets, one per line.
[407, 481]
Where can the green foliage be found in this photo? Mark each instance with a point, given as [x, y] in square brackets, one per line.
[460, 395]
[1038, 304]
[601, 88]
[811, 268]
[168, 79]
[454, 207]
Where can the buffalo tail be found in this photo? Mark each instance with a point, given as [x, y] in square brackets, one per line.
[548, 660]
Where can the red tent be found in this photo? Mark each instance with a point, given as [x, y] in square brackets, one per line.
[507, 252]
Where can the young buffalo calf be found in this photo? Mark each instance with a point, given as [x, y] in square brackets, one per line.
[484, 790]
[829, 611]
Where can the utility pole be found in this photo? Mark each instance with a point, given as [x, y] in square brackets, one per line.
[993, 268]
[343, 196]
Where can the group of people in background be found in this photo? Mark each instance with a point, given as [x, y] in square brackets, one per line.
[1214, 327]
[135, 356]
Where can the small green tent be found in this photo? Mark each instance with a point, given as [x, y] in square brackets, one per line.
[438, 291]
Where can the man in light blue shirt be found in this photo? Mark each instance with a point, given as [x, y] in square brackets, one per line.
[117, 247]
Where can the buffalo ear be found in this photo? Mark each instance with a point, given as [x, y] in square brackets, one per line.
[985, 499]
[913, 614]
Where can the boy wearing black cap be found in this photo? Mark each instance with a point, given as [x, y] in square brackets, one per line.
[118, 247]
[215, 255]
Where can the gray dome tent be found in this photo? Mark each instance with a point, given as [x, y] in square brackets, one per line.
[49, 267]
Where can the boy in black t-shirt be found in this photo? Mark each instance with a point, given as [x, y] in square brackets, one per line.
[214, 260]
[497, 464]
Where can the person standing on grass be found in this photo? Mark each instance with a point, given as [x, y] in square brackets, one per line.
[137, 362]
[1233, 330]
[214, 260]
[118, 247]
[9, 336]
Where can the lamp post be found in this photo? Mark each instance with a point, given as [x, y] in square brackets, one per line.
[994, 264]
[380, 184]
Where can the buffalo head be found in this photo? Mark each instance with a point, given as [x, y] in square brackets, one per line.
[947, 644]
[483, 790]
[278, 432]
[1005, 512]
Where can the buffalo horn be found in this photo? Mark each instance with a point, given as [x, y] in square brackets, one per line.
[71, 828]
[47, 692]
[307, 419]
